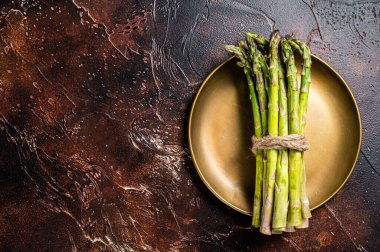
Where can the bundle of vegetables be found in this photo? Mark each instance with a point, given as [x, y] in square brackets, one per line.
[279, 107]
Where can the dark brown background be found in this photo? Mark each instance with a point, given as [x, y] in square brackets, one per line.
[94, 102]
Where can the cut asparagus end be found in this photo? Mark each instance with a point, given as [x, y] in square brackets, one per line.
[305, 224]
[290, 229]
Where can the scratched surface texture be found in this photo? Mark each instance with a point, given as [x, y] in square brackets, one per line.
[94, 102]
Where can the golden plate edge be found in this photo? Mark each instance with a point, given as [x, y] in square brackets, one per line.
[220, 197]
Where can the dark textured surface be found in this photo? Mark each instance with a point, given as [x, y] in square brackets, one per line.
[94, 101]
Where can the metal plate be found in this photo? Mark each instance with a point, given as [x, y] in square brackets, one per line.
[221, 125]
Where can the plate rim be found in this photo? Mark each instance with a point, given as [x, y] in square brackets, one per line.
[199, 170]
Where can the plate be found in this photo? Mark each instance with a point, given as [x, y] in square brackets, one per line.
[221, 126]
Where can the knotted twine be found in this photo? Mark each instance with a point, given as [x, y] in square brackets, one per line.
[293, 141]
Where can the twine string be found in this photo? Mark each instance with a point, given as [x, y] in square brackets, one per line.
[293, 141]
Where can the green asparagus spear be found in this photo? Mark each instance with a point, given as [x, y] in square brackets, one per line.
[262, 98]
[281, 199]
[304, 97]
[245, 63]
[260, 60]
[259, 154]
[294, 216]
[273, 108]
[260, 87]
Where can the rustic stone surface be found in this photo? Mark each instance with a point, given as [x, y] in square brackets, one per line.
[94, 101]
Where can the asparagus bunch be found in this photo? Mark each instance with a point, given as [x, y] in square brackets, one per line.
[279, 108]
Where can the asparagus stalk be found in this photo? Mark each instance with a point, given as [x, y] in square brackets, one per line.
[281, 200]
[263, 44]
[244, 62]
[260, 60]
[294, 216]
[264, 68]
[259, 154]
[254, 55]
[273, 108]
[260, 87]
[304, 97]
